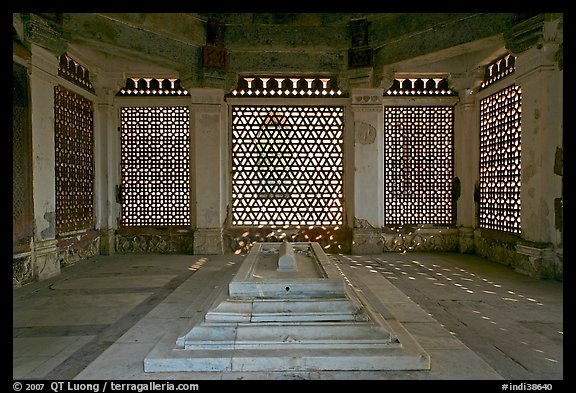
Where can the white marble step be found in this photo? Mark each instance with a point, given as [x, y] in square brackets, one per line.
[287, 288]
[321, 335]
[272, 360]
[288, 310]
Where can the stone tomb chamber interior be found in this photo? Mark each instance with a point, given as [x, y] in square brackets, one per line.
[368, 133]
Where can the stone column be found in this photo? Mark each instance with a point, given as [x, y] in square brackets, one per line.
[209, 145]
[539, 74]
[466, 158]
[542, 111]
[43, 78]
[107, 160]
[368, 119]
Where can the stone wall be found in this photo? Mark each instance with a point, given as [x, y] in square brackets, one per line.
[537, 260]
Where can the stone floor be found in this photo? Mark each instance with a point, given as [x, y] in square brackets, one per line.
[100, 318]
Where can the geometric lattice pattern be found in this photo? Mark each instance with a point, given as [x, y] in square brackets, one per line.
[420, 87]
[273, 86]
[500, 151]
[418, 164]
[76, 73]
[155, 162]
[498, 69]
[287, 165]
[74, 149]
[143, 87]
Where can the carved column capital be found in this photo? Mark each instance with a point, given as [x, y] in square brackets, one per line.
[541, 31]
[44, 32]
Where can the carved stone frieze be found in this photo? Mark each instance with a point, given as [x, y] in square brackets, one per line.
[366, 99]
[429, 240]
[370, 240]
[68, 256]
[22, 272]
[44, 33]
[153, 243]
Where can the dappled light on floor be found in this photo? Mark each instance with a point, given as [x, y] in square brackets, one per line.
[479, 293]
[198, 264]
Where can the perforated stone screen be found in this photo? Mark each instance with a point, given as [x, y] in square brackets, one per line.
[155, 160]
[418, 164]
[74, 158]
[287, 165]
[500, 151]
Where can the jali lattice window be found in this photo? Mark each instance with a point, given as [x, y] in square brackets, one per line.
[287, 165]
[418, 164]
[74, 145]
[155, 148]
[500, 150]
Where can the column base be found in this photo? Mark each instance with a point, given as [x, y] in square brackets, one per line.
[367, 241]
[208, 241]
[466, 240]
[45, 261]
[107, 241]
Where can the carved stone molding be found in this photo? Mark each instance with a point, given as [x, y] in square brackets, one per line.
[206, 99]
[366, 99]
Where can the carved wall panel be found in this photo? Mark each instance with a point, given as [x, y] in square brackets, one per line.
[22, 272]
[74, 160]
[154, 243]
[22, 221]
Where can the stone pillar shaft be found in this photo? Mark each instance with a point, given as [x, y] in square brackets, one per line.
[107, 157]
[208, 123]
[368, 120]
[542, 114]
[466, 161]
[43, 78]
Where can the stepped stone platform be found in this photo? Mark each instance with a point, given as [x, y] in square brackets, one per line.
[289, 309]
